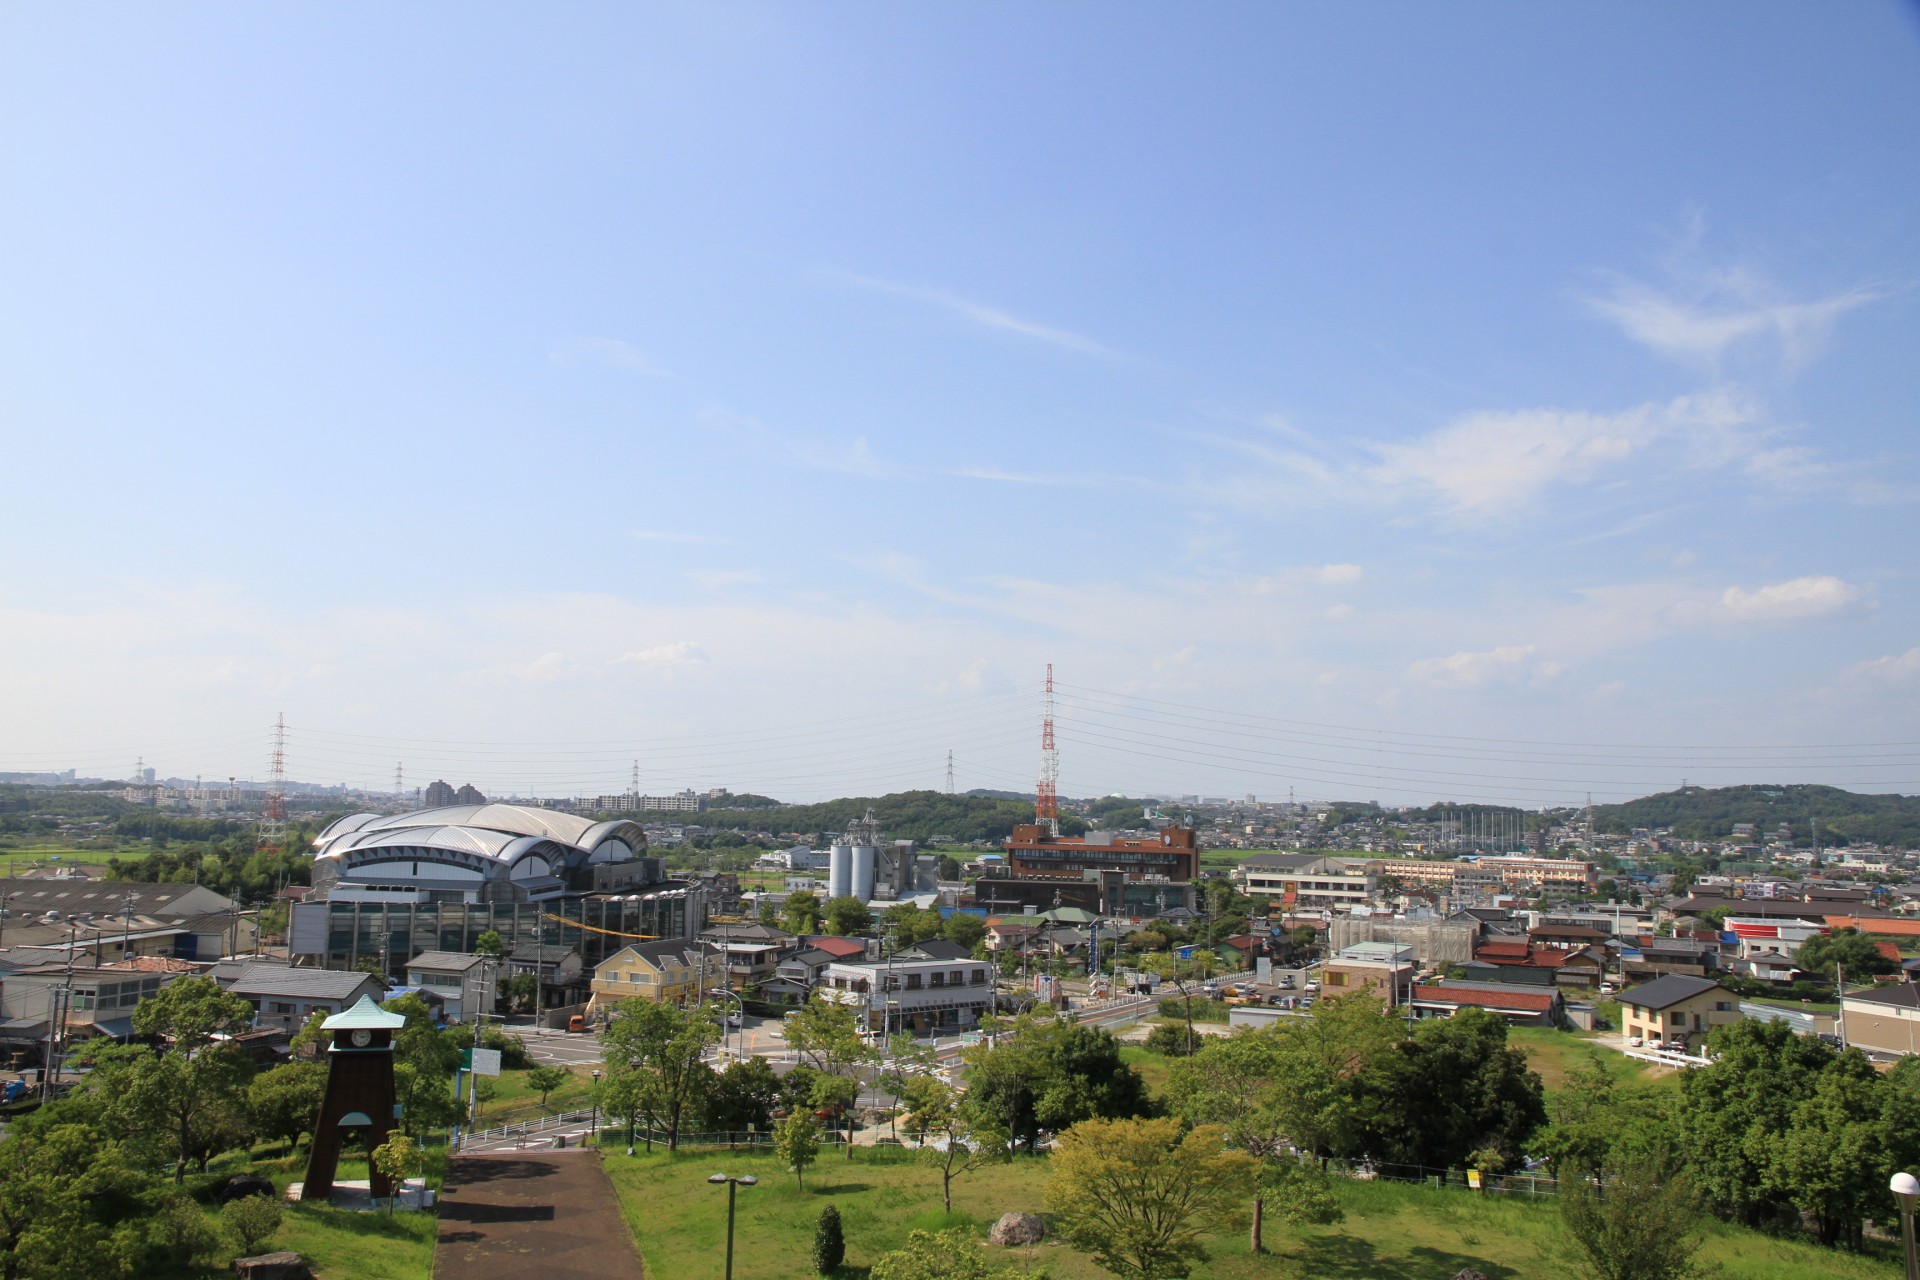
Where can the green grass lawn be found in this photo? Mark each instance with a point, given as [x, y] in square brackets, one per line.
[1392, 1231]
[514, 1100]
[339, 1244]
[16, 860]
[1555, 1053]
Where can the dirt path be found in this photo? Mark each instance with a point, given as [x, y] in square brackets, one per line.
[550, 1215]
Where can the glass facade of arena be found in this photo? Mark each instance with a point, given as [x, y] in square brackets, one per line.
[360, 930]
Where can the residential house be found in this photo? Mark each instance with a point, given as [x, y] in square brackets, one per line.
[751, 951]
[1883, 1020]
[34, 996]
[284, 996]
[1676, 1007]
[465, 982]
[1521, 1006]
[794, 977]
[1520, 960]
[1652, 957]
[1384, 968]
[1310, 880]
[671, 970]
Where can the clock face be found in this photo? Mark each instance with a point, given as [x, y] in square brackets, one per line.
[362, 1038]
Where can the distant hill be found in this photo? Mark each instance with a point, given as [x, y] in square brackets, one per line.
[1709, 813]
[904, 815]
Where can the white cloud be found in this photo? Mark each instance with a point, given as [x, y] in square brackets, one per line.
[1901, 670]
[1471, 670]
[1791, 601]
[1179, 658]
[1338, 613]
[1329, 575]
[1729, 311]
[680, 655]
[724, 577]
[988, 317]
[1490, 464]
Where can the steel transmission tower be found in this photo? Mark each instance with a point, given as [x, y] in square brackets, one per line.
[1046, 795]
[949, 771]
[273, 821]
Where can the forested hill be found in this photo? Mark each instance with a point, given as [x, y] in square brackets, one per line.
[904, 815]
[1708, 813]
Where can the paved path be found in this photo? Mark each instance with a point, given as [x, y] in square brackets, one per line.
[551, 1215]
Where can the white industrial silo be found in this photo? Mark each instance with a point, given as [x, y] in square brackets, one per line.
[840, 871]
[865, 858]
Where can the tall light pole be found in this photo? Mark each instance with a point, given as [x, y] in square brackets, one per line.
[732, 1185]
[593, 1126]
[1906, 1189]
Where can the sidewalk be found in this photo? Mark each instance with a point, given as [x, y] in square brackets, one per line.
[554, 1215]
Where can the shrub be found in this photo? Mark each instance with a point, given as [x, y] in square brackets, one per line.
[829, 1243]
[251, 1221]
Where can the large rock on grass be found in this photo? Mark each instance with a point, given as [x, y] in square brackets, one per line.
[285, 1265]
[1017, 1229]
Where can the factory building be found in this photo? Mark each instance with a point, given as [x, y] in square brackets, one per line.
[860, 865]
[1103, 872]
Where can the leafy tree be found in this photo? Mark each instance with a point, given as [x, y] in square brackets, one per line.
[965, 930]
[1834, 1161]
[907, 924]
[1139, 1195]
[190, 1097]
[671, 1043]
[746, 1093]
[959, 1137]
[1849, 948]
[491, 945]
[943, 1255]
[633, 1094]
[1169, 1040]
[1087, 1079]
[767, 913]
[284, 1101]
[1324, 1058]
[545, 1079]
[796, 1141]
[1635, 1219]
[801, 914]
[181, 1233]
[950, 868]
[1237, 1082]
[825, 1035]
[1494, 1100]
[71, 1207]
[1300, 1193]
[847, 915]
[1733, 1113]
[1040, 1072]
[397, 1159]
[520, 990]
[829, 1242]
[251, 1221]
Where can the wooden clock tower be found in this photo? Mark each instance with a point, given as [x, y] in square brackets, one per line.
[360, 1093]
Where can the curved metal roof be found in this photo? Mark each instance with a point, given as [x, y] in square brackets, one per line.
[498, 832]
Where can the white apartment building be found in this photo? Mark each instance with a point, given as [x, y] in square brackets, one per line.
[932, 986]
[1311, 880]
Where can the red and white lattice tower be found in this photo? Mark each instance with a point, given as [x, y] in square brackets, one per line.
[273, 821]
[1046, 795]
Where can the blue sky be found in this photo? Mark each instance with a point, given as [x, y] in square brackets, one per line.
[766, 393]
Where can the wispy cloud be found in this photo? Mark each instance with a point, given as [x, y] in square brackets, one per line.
[1507, 664]
[1711, 310]
[1900, 670]
[987, 317]
[724, 577]
[680, 655]
[1489, 464]
[1792, 601]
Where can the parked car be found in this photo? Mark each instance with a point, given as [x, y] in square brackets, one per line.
[1634, 1042]
[576, 1024]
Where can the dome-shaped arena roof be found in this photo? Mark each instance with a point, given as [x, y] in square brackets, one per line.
[488, 840]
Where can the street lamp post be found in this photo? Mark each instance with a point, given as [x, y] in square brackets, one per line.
[593, 1126]
[732, 1184]
[1906, 1190]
